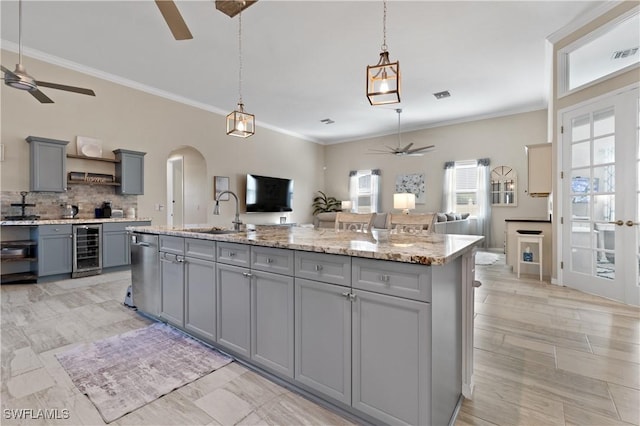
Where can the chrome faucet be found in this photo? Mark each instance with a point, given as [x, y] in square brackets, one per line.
[216, 210]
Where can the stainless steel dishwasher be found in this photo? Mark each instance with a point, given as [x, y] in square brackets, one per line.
[145, 280]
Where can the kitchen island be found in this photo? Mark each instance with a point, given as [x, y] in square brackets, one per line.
[379, 325]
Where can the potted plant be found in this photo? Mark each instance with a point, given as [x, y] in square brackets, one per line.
[324, 203]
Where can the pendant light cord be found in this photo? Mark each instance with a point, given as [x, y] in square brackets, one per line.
[20, 32]
[384, 26]
[240, 57]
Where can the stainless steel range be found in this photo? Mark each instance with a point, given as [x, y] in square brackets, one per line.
[87, 250]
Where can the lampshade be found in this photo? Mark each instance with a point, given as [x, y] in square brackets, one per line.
[346, 205]
[383, 81]
[404, 201]
[241, 123]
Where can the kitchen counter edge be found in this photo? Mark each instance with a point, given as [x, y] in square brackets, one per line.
[424, 249]
[70, 221]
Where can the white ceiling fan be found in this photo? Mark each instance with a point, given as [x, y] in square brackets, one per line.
[20, 78]
[176, 23]
[402, 151]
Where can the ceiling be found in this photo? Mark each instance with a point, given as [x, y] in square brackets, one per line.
[304, 61]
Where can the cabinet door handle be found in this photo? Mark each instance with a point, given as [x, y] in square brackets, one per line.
[232, 253]
[476, 283]
[180, 259]
[384, 278]
[318, 268]
[269, 260]
[247, 274]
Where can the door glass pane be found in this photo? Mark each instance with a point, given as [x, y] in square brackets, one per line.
[604, 150]
[604, 179]
[580, 207]
[581, 235]
[581, 260]
[603, 123]
[580, 154]
[604, 208]
[580, 128]
[606, 265]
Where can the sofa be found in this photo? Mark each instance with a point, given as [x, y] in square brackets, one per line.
[447, 223]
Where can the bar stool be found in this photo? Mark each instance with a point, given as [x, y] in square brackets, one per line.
[530, 239]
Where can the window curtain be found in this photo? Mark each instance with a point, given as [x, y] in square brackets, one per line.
[448, 189]
[484, 202]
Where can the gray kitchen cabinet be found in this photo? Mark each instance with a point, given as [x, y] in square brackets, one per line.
[272, 320]
[116, 250]
[200, 295]
[323, 338]
[130, 172]
[47, 164]
[233, 308]
[391, 347]
[55, 249]
[172, 284]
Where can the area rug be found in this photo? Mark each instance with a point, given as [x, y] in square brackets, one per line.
[122, 373]
[486, 258]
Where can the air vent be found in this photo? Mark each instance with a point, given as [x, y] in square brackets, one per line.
[442, 95]
[327, 121]
[621, 54]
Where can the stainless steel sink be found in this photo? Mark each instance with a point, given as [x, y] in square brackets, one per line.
[211, 230]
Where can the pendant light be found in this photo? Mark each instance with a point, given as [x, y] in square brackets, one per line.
[239, 122]
[383, 79]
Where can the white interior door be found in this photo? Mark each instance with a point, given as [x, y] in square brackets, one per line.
[600, 203]
[175, 191]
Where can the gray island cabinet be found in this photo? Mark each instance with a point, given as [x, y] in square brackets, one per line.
[375, 329]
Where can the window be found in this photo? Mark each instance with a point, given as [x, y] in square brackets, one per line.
[601, 54]
[364, 191]
[465, 184]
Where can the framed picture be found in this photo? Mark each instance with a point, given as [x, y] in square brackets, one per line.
[412, 183]
[220, 184]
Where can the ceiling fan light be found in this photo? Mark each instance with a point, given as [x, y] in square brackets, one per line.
[20, 84]
[241, 123]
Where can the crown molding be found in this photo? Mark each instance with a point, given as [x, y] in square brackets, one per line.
[583, 20]
[74, 66]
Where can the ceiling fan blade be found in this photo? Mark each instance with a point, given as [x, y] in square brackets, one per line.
[44, 99]
[422, 148]
[232, 7]
[73, 89]
[6, 71]
[174, 19]
[406, 148]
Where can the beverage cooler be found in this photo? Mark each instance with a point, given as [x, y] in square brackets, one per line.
[87, 250]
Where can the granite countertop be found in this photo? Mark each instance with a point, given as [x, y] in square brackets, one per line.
[70, 221]
[425, 249]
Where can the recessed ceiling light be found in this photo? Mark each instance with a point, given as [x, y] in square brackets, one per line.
[441, 95]
[327, 121]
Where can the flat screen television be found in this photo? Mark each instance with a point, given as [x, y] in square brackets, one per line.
[268, 194]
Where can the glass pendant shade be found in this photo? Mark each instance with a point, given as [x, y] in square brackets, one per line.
[241, 123]
[383, 81]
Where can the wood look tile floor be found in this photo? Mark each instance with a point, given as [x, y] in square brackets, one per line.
[544, 355]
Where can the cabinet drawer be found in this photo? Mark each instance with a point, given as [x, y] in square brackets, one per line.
[329, 268]
[396, 279]
[200, 249]
[272, 260]
[54, 229]
[233, 254]
[171, 244]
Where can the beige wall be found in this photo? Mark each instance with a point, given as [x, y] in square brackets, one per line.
[130, 119]
[501, 139]
[580, 96]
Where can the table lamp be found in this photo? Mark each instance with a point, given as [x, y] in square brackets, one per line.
[404, 201]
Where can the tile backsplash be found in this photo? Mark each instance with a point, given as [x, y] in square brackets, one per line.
[48, 205]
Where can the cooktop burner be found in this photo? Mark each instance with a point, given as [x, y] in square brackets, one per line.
[26, 217]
